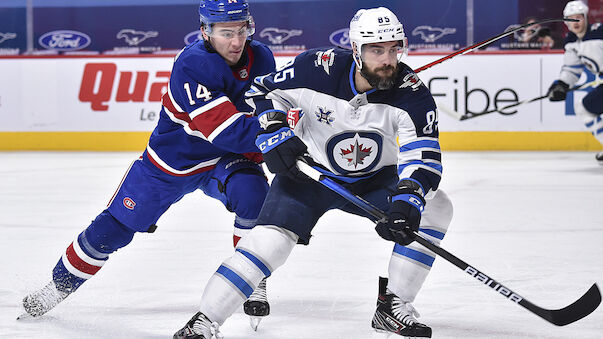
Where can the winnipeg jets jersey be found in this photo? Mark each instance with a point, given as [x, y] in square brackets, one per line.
[204, 114]
[353, 135]
[587, 51]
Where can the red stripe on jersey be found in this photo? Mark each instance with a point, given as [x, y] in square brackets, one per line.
[199, 170]
[208, 121]
[80, 264]
[166, 101]
[169, 105]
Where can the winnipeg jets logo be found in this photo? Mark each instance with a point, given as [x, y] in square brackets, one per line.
[324, 115]
[133, 38]
[411, 80]
[431, 34]
[355, 154]
[7, 36]
[325, 59]
[277, 36]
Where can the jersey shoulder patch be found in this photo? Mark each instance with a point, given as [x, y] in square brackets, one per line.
[596, 32]
[327, 61]
[411, 94]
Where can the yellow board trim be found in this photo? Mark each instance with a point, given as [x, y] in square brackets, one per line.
[518, 141]
[73, 141]
[450, 141]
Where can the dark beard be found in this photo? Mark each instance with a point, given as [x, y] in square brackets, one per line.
[377, 81]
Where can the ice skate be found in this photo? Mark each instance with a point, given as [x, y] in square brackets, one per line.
[257, 306]
[199, 327]
[42, 301]
[394, 316]
[599, 157]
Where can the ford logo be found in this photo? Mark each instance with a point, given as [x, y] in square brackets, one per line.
[64, 40]
[192, 37]
[341, 38]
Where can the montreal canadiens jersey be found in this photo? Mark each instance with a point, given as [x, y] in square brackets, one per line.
[587, 52]
[204, 115]
[353, 135]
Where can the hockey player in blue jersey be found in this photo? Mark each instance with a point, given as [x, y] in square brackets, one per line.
[204, 140]
[343, 111]
[583, 48]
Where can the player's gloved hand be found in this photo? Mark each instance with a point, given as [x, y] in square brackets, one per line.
[404, 215]
[279, 145]
[558, 91]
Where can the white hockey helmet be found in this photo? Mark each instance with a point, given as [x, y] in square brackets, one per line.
[375, 25]
[575, 7]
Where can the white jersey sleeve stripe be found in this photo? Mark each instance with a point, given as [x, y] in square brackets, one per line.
[176, 172]
[223, 126]
[176, 106]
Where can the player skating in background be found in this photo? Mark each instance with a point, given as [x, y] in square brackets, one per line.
[204, 141]
[343, 110]
[583, 48]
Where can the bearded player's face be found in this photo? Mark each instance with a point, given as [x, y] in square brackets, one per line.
[380, 64]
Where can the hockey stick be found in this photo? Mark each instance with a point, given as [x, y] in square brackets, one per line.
[526, 101]
[471, 48]
[567, 315]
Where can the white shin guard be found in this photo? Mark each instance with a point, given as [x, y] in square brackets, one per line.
[257, 255]
[410, 265]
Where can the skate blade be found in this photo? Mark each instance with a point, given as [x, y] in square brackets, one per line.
[25, 316]
[378, 334]
[381, 334]
[254, 322]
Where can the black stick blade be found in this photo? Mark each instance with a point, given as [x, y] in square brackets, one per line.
[574, 312]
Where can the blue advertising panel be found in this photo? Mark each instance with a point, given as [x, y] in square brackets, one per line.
[12, 30]
[155, 26]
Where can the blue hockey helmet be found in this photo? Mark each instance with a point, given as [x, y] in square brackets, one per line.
[214, 11]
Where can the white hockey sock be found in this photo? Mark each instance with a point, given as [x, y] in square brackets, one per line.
[410, 265]
[257, 255]
[593, 122]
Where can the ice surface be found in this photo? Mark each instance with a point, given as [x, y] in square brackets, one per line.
[533, 221]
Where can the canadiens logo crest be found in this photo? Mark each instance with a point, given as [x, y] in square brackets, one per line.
[325, 59]
[324, 115]
[411, 80]
[129, 203]
[353, 152]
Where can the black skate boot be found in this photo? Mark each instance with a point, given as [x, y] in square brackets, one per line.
[396, 316]
[257, 305]
[199, 327]
[43, 300]
[599, 157]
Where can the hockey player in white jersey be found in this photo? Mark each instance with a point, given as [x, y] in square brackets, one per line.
[583, 48]
[343, 111]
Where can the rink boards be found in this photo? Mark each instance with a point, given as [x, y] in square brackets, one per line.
[113, 103]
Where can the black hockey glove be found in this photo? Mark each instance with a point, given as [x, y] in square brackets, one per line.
[404, 213]
[279, 145]
[558, 91]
